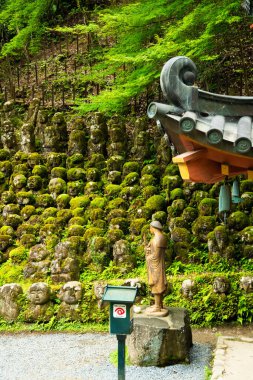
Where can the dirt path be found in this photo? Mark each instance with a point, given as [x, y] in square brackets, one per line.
[210, 335]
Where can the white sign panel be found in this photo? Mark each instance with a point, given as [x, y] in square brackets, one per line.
[119, 311]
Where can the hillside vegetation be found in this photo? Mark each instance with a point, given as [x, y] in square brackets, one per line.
[82, 169]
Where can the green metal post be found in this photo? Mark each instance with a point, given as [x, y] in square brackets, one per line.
[121, 356]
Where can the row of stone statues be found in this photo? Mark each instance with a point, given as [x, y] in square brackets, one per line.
[40, 306]
[221, 285]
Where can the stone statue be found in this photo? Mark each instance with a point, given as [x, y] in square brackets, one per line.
[246, 283]
[155, 259]
[221, 285]
[71, 295]
[40, 308]
[187, 288]
[9, 308]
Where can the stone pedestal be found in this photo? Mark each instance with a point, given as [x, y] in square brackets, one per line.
[160, 341]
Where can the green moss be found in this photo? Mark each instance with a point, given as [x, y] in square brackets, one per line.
[91, 232]
[34, 159]
[96, 213]
[44, 200]
[197, 197]
[149, 191]
[5, 242]
[49, 212]
[47, 230]
[56, 159]
[97, 161]
[131, 179]
[93, 174]
[99, 202]
[7, 230]
[130, 167]
[148, 180]
[114, 177]
[57, 186]
[78, 220]
[112, 190]
[152, 169]
[11, 209]
[246, 185]
[202, 226]
[92, 187]
[208, 206]
[160, 216]
[137, 225]
[100, 223]
[116, 213]
[172, 169]
[117, 203]
[75, 188]
[130, 192]
[25, 198]
[114, 234]
[75, 161]
[59, 172]
[63, 201]
[65, 214]
[28, 240]
[8, 197]
[78, 211]
[120, 223]
[176, 194]
[115, 163]
[19, 254]
[178, 205]
[34, 182]
[179, 234]
[10, 272]
[51, 241]
[13, 220]
[177, 221]
[75, 230]
[76, 174]
[20, 157]
[181, 251]
[19, 181]
[6, 168]
[40, 170]
[26, 228]
[238, 220]
[171, 182]
[82, 201]
[156, 203]
[189, 214]
[4, 155]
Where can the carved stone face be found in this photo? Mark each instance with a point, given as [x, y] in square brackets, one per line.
[71, 292]
[221, 285]
[121, 252]
[39, 293]
[246, 283]
[19, 181]
[187, 288]
[221, 238]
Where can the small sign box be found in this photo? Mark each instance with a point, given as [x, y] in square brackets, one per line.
[121, 299]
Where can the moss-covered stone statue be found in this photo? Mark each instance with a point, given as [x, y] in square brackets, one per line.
[155, 259]
[71, 295]
[40, 307]
[9, 305]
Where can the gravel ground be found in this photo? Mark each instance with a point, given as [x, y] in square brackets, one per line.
[63, 356]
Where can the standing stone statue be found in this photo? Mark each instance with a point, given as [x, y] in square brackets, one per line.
[155, 258]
